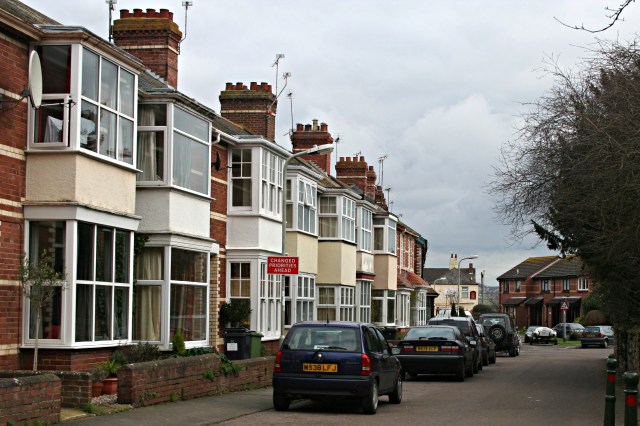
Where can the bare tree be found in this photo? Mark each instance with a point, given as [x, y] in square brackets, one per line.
[614, 16]
[39, 283]
[573, 177]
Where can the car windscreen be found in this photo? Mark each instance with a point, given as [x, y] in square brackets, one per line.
[325, 338]
[436, 333]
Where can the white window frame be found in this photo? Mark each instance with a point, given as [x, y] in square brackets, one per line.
[142, 129]
[545, 285]
[518, 287]
[583, 284]
[464, 292]
[241, 172]
[269, 303]
[328, 221]
[387, 229]
[195, 140]
[271, 183]
[327, 305]
[304, 298]
[420, 308]
[566, 284]
[347, 304]
[305, 211]
[363, 294]
[365, 227]
[348, 220]
[403, 308]
[387, 299]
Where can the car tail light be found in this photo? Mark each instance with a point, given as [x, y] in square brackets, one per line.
[277, 368]
[450, 349]
[365, 368]
[600, 334]
[407, 348]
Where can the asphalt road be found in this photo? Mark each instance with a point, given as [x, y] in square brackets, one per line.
[545, 385]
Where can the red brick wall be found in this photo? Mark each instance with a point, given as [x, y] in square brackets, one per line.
[150, 383]
[305, 137]
[13, 138]
[30, 399]
[65, 359]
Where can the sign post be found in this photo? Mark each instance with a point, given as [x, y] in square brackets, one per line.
[564, 308]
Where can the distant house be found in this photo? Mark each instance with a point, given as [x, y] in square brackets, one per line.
[446, 282]
[535, 291]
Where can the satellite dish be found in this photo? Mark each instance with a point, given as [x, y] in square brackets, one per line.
[35, 80]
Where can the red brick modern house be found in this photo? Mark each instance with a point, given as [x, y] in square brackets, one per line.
[533, 291]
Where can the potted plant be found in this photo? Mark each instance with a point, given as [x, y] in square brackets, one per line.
[97, 377]
[110, 383]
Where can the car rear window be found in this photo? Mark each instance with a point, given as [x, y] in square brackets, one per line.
[592, 329]
[463, 326]
[488, 322]
[326, 338]
[430, 333]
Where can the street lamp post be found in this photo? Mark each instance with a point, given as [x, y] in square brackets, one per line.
[475, 256]
[315, 150]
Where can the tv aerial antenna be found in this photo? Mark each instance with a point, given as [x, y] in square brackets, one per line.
[338, 140]
[112, 7]
[276, 64]
[186, 5]
[389, 202]
[381, 169]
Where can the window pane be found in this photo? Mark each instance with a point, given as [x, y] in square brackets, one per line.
[47, 236]
[150, 264]
[125, 149]
[151, 156]
[122, 256]
[108, 84]
[84, 312]
[146, 313]
[49, 122]
[107, 133]
[90, 67]
[50, 317]
[241, 193]
[104, 255]
[188, 266]
[127, 92]
[56, 66]
[190, 163]
[188, 311]
[121, 313]
[103, 313]
[152, 115]
[84, 267]
[88, 126]
[191, 124]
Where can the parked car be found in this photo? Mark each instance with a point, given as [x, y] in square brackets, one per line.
[528, 332]
[544, 335]
[446, 313]
[467, 326]
[488, 346]
[436, 349]
[571, 327]
[600, 335]
[503, 331]
[336, 360]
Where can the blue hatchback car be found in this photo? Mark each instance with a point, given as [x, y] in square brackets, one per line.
[336, 360]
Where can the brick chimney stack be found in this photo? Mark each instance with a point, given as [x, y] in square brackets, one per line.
[152, 37]
[253, 108]
[453, 261]
[355, 171]
[308, 135]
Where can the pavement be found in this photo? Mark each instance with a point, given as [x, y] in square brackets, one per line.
[193, 412]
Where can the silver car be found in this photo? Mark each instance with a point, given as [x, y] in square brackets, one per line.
[598, 335]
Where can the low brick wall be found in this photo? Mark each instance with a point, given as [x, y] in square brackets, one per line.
[155, 382]
[30, 399]
[76, 385]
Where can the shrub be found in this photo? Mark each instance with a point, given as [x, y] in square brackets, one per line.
[177, 343]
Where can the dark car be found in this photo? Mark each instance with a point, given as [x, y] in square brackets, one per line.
[437, 350]
[488, 346]
[502, 330]
[336, 360]
[599, 335]
[529, 332]
[570, 328]
[467, 326]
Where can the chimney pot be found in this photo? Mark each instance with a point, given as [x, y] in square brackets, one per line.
[315, 124]
[151, 13]
[228, 86]
[124, 13]
[238, 86]
[164, 13]
[324, 127]
[253, 85]
[362, 158]
[307, 127]
[137, 13]
[299, 127]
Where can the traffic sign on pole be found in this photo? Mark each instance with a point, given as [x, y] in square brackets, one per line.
[284, 265]
[564, 306]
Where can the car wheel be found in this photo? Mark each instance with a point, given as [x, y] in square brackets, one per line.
[584, 346]
[485, 358]
[469, 370]
[395, 397]
[512, 352]
[461, 372]
[605, 344]
[518, 351]
[494, 358]
[476, 369]
[280, 402]
[370, 402]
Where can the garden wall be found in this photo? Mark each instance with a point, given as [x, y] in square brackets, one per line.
[173, 379]
[31, 398]
[75, 385]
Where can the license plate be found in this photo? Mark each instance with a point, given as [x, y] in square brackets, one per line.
[319, 368]
[426, 349]
[591, 335]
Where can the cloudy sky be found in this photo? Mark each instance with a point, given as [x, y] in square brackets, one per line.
[437, 86]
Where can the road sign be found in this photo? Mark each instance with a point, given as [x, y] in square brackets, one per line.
[564, 306]
[284, 265]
